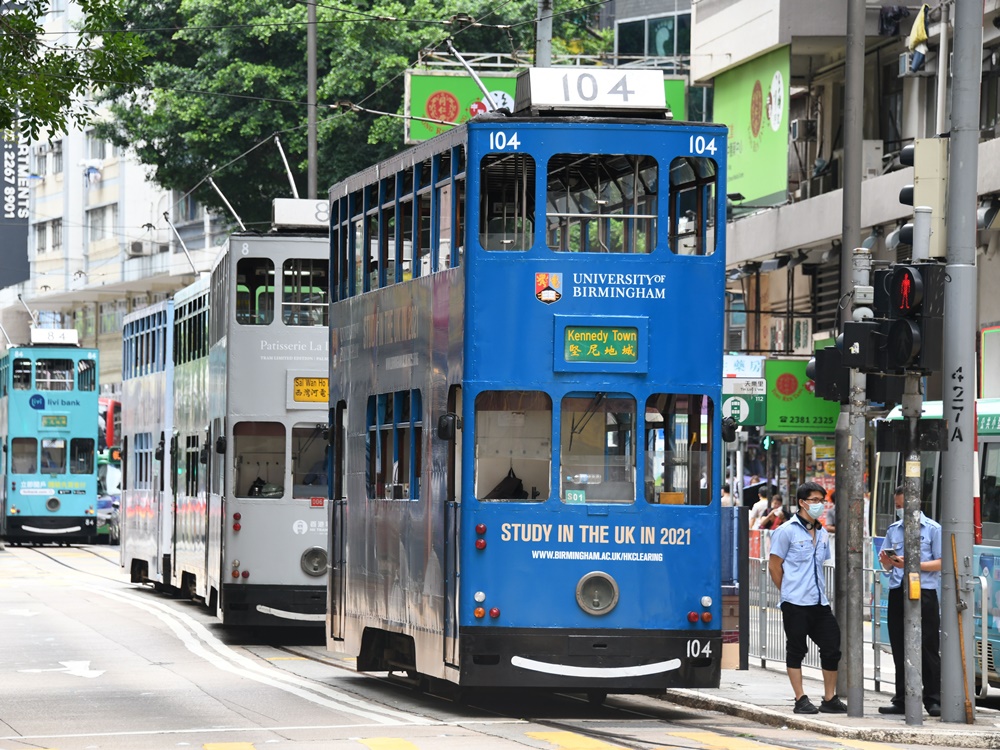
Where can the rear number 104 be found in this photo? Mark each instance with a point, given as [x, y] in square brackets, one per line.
[698, 144]
[499, 141]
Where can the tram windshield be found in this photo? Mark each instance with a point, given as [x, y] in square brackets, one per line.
[597, 448]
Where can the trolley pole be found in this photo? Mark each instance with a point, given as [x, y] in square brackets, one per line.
[912, 629]
[959, 369]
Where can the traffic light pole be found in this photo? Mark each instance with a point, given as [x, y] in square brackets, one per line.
[959, 369]
[912, 629]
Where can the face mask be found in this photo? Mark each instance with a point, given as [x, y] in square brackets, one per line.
[815, 510]
[899, 514]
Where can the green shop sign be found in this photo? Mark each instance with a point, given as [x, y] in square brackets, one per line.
[792, 405]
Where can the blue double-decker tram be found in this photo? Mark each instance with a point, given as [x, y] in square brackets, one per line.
[48, 411]
[526, 349]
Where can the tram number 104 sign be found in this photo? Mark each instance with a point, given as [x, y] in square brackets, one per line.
[560, 87]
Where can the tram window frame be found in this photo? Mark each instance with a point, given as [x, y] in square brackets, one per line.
[507, 201]
[513, 441]
[24, 455]
[599, 421]
[143, 461]
[255, 444]
[53, 456]
[309, 460]
[673, 414]
[989, 495]
[340, 451]
[394, 438]
[86, 375]
[254, 305]
[82, 455]
[304, 294]
[192, 469]
[54, 374]
[22, 371]
[613, 222]
[693, 198]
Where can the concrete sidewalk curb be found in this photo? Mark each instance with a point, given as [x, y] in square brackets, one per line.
[954, 736]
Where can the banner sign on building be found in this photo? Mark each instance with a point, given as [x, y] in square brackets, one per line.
[752, 100]
[14, 219]
[452, 96]
[792, 405]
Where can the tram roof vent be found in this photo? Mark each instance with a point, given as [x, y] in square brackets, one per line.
[590, 91]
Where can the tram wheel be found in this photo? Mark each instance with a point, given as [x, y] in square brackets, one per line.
[597, 697]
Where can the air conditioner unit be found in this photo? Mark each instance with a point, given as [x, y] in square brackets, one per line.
[137, 248]
[802, 130]
[905, 59]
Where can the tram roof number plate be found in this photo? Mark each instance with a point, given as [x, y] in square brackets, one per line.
[745, 400]
[311, 389]
[590, 88]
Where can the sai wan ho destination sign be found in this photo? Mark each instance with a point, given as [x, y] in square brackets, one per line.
[745, 400]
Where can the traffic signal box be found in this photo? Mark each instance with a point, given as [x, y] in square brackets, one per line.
[929, 159]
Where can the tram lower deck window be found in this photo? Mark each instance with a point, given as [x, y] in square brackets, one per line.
[678, 449]
[597, 448]
[513, 446]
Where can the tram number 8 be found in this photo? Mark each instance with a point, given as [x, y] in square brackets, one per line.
[696, 649]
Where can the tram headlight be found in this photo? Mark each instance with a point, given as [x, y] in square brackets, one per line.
[597, 593]
[53, 504]
[314, 561]
[706, 601]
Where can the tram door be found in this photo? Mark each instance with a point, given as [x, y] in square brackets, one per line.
[452, 524]
[338, 499]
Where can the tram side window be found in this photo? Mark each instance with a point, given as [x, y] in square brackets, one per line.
[304, 298]
[678, 448]
[259, 448]
[597, 448]
[507, 201]
[81, 452]
[255, 291]
[989, 493]
[53, 456]
[22, 374]
[692, 205]
[601, 203]
[24, 455]
[54, 375]
[513, 449]
[143, 461]
[309, 461]
[393, 445]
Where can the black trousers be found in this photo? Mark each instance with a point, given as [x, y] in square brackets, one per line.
[818, 623]
[930, 644]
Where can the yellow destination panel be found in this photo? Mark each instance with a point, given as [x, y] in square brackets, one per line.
[601, 343]
[311, 390]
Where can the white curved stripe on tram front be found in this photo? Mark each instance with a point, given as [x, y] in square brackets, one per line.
[567, 670]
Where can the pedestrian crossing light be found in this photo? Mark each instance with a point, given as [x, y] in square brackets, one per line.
[916, 302]
[767, 442]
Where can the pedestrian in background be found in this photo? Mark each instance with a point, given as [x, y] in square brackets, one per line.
[798, 550]
[760, 508]
[890, 555]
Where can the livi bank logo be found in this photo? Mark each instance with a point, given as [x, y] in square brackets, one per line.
[37, 402]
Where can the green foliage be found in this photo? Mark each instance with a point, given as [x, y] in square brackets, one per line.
[224, 78]
[43, 80]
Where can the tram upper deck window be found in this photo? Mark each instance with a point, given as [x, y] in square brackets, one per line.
[692, 205]
[21, 373]
[513, 446]
[304, 296]
[54, 374]
[597, 448]
[259, 449]
[678, 448]
[86, 379]
[507, 201]
[24, 455]
[601, 203]
[255, 291]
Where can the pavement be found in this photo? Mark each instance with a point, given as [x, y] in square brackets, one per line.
[765, 696]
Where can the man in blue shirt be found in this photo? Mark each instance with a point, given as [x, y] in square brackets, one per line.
[799, 548]
[891, 557]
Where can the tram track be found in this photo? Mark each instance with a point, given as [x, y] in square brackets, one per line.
[480, 706]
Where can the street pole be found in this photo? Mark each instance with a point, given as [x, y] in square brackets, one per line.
[912, 629]
[311, 156]
[851, 430]
[543, 35]
[959, 367]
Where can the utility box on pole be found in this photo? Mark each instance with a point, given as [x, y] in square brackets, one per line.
[929, 159]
